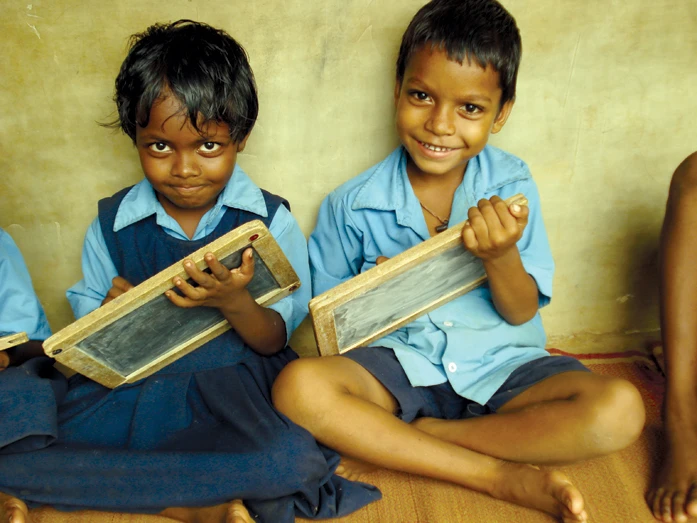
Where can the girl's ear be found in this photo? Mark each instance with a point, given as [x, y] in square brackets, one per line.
[241, 145]
[501, 118]
[397, 90]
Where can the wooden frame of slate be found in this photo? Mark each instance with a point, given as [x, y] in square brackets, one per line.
[390, 295]
[141, 331]
[9, 341]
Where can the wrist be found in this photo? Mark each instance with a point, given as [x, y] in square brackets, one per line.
[237, 304]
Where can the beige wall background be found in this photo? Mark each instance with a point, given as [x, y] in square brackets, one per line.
[606, 110]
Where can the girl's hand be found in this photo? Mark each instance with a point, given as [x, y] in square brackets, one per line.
[4, 360]
[220, 289]
[119, 286]
[493, 228]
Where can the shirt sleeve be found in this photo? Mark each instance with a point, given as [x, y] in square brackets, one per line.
[291, 240]
[335, 247]
[534, 248]
[97, 273]
[20, 310]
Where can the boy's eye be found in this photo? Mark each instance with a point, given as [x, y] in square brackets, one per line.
[471, 108]
[210, 147]
[159, 147]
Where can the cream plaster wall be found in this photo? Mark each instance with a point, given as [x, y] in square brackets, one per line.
[606, 110]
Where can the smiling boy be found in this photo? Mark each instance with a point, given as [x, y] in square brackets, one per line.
[465, 393]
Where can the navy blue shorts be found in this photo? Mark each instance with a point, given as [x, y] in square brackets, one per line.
[441, 401]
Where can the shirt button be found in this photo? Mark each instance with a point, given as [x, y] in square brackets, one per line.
[452, 367]
[448, 323]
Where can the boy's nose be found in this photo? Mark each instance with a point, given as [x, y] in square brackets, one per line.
[185, 165]
[441, 121]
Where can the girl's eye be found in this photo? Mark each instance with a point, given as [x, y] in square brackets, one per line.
[210, 147]
[159, 147]
[420, 95]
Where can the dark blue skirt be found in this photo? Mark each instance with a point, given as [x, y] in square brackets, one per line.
[187, 439]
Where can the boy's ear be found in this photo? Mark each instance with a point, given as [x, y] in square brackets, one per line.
[501, 118]
[241, 145]
[397, 89]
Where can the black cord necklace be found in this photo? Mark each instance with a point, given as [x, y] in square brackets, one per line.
[443, 223]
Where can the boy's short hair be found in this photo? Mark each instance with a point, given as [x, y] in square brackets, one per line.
[480, 30]
[203, 67]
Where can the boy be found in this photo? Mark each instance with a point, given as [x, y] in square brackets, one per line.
[20, 310]
[415, 403]
[674, 495]
[202, 431]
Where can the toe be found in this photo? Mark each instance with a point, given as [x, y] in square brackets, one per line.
[678, 507]
[691, 500]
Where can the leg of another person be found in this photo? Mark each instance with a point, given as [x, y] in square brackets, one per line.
[674, 494]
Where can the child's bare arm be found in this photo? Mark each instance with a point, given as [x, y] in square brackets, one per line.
[491, 234]
[261, 328]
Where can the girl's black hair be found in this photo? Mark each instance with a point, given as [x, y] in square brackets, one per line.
[479, 30]
[202, 67]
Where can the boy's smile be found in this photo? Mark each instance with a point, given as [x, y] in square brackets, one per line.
[445, 112]
[187, 170]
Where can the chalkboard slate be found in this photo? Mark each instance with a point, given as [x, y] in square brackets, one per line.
[141, 331]
[390, 295]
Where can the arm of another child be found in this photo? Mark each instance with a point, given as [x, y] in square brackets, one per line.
[491, 234]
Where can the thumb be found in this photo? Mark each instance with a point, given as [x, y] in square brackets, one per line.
[381, 259]
[520, 213]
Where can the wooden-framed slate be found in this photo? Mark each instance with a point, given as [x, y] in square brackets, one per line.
[141, 331]
[11, 340]
[390, 295]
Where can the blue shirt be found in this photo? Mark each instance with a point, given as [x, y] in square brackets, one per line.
[141, 202]
[20, 310]
[465, 341]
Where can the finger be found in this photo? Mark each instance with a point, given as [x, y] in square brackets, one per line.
[4, 360]
[197, 275]
[521, 213]
[218, 270]
[656, 504]
[478, 225]
[122, 284]
[469, 238]
[504, 215]
[188, 290]
[247, 267]
[181, 301]
[381, 259]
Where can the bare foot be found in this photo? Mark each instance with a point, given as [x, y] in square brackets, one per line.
[548, 491]
[673, 497]
[354, 469]
[233, 512]
[16, 511]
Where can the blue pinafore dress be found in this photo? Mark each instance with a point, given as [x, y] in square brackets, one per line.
[200, 432]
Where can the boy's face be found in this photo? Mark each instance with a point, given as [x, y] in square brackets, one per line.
[445, 112]
[187, 170]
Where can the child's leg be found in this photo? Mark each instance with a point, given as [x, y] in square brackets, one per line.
[346, 408]
[674, 495]
[16, 511]
[564, 418]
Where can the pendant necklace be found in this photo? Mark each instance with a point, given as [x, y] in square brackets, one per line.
[443, 223]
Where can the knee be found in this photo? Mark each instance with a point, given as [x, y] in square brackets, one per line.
[618, 415]
[297, 388]
[684, 181]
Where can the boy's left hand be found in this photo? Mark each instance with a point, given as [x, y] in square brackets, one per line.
[218, 289]
[494, 228]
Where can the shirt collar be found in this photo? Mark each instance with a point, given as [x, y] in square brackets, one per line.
[239, 193]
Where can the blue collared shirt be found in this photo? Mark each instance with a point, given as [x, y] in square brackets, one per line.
[465, 341]
[20, 310]
[141, 202]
